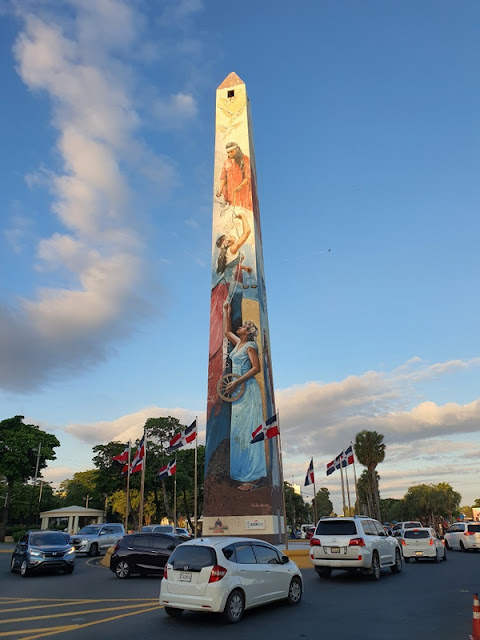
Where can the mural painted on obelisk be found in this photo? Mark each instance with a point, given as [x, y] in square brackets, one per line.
[241, 478]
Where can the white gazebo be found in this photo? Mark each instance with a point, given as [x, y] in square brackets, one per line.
[72, 514]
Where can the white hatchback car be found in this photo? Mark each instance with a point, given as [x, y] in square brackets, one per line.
[422, 543]
[228, 575]
[353, 543]
[463, 536]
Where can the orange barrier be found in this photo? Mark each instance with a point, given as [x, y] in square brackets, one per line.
[476, 618]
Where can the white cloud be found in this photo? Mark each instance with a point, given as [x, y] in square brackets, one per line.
[130, 427]
[82, 57]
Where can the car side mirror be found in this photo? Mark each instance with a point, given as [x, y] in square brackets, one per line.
[285, 559]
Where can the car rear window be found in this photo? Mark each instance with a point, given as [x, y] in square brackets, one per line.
[192, 558]
[416, 535]
[474, 528]
[336, 528]
[411, 525]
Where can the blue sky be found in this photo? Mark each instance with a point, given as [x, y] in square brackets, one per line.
[366, 128]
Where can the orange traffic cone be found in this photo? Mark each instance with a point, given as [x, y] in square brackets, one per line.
[476, 618]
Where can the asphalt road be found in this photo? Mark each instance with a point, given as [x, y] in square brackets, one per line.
[426, 600]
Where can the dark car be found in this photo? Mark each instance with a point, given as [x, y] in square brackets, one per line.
[41, 550]
[143, 553]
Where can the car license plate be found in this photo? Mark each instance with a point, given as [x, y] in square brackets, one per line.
[335, 549]
[185, 577]
[419, 553]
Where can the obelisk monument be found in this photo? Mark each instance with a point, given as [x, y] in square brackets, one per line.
[242, 492]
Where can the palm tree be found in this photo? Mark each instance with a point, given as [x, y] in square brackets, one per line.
[370, 451]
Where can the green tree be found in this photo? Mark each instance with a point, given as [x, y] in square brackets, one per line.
[427, 502]
[323, 503]
[370, 451]
[24, 451]
[467, 512]
[83, 485]
[476, 504]
[297, 511]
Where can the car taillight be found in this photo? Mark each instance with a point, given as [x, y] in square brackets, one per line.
[469, 533]
[165, 573]
[356, 542]
[404, 543]
[315, 542]
[430, 542]
[217, 573]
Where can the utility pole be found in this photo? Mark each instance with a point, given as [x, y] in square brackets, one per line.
[86, 498]
[35, 480]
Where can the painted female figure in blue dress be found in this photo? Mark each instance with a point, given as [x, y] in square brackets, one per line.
[247, 461]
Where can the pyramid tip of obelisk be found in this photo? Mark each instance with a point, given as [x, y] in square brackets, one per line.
[231, 81]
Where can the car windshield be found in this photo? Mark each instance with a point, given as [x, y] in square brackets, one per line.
[192, 558]
[336, 528]
[474, 528]
[411, 525]
[47, 539]
[91, 529]
[415, 535]
[148, 528]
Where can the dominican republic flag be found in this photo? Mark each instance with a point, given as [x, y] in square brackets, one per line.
[331, 467]
[168, 470]
[184, 437]
[137, 462]
[122, 457]
[309, 478]
[268, 429]
[347, 457]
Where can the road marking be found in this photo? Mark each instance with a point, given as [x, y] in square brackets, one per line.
[55, 630]
[70, 613]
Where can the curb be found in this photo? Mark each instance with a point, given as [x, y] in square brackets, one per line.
[301, 557]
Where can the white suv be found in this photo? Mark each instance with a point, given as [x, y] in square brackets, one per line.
[353, 543]
[463, 536]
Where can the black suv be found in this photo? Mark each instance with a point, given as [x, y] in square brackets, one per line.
[143, 553]
[39, 550]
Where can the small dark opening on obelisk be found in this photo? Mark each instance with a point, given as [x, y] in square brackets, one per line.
[230, 93]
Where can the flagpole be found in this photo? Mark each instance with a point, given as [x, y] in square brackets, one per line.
[348, 491]
[314, 495]
[175, 498]
[280, 461]
[343, 488]
[195, 490]
[142, 483]
[357, 506]
[127, 508]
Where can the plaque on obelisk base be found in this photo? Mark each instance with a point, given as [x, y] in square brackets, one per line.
[242, 491]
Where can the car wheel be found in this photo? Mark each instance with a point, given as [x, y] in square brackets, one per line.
[324, 572]
[436, 559]
[462, 546]
[375, 575]
[407, 560]
[12, 564]
[397, 567]
[122, 569]
[444, 554]
[173, 613]
[68, 570]
[234, 608]
[295, 591]
[447, 546]
[93, 550]
[24, 570]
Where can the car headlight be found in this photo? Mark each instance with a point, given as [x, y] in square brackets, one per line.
[35, 553]
[70, 552]
[84, 541]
